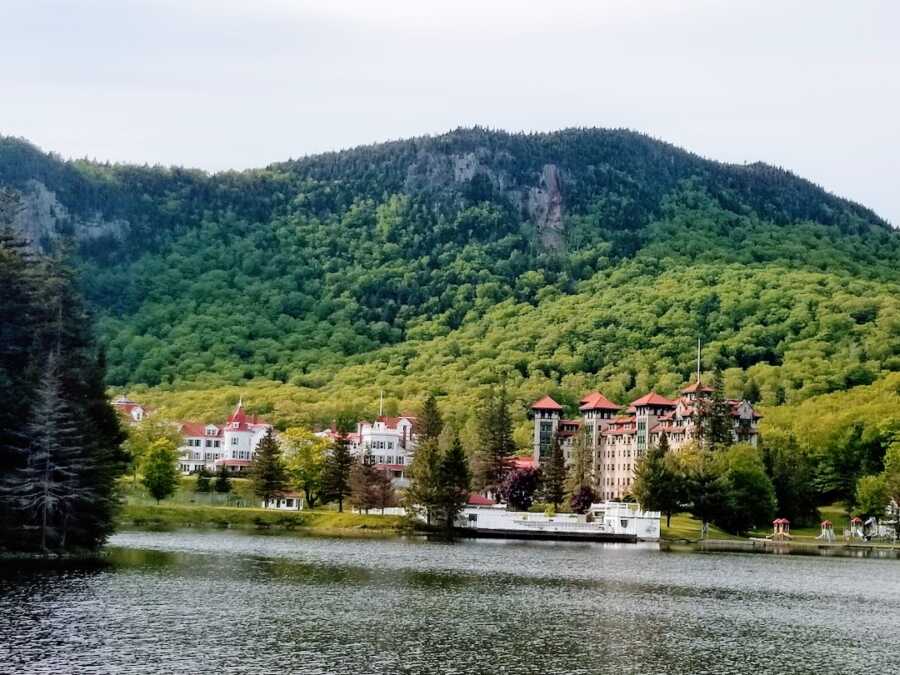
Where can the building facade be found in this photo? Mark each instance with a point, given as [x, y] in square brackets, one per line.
[232, 445]
[390, 442]
[619, 436]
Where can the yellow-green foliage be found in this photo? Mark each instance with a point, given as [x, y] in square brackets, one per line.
[193, 515]
[817, 421]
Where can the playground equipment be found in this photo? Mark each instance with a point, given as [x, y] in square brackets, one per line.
[781, 530]
[827, 531]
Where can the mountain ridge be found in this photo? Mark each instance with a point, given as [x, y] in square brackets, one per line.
[355, 261]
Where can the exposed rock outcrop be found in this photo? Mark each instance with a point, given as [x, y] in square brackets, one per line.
[545, 208]
[43, 219]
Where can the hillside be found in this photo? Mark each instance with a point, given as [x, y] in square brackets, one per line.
[558, 262]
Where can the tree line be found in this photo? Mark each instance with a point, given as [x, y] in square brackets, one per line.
[60, 440]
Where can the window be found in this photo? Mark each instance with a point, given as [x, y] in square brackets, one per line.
[216, 443]
[208, 443]
[234, 440]
[289, 503]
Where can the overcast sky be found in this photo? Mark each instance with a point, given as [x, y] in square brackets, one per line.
[810, 86]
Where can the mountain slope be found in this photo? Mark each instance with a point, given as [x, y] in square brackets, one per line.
[556, 261]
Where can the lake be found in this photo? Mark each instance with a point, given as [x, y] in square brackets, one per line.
[231, 602]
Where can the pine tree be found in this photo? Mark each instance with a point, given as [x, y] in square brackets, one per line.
[554, 488]
[497, 445]
[429, 423]
[454, 480]
[715, 425]
[222, 484]
[336, 476]
[204, 484]
[579, 472]
[267, 471]
[362, 479]
[422, 493]
[160, 470]
[48, 485]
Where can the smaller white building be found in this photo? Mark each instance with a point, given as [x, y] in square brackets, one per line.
[132, 411]
[286, 501]
[390, 441]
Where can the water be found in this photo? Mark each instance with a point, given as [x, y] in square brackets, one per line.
[227, 602]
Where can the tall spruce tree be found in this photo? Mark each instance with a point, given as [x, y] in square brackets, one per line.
[44, 320]
[47, 486]
[422, 494]
[493, 457]
[580, 468]
[454, 480]
[336, 475]
[267, 471]
[554, 475]
[714, 417]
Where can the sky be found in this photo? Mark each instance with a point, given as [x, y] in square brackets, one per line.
[812, 86]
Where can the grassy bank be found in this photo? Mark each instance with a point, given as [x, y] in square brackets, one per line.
[197, 515]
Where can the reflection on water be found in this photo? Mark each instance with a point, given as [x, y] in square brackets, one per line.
[191, 602]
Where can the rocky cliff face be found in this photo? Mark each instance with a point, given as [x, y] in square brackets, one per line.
[42, 219]
[545, 206]
[541, 201]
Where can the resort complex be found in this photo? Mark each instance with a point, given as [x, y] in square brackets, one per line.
[618, 436]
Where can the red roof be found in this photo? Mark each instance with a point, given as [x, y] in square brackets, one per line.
[476, 499]
[523, 462]
[238, 419]
[597, 401]
[653, 399]
[197, 429]
[546, 403]
[781, 521]
[697, 387]
[856, 519]
[826, 523]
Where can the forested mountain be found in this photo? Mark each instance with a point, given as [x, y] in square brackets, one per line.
[558, 262]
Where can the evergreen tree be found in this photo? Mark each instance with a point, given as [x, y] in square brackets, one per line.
[493, 458]
[581, 464]
[267, 471]
[429, 423]
[222, 484]
[554, 475]
[716, 427]
[160, 470]
[336, 475]
[362, 482]
[50, 482]
[454, 480]
[423, 491]
[657, 484]
[204, 484]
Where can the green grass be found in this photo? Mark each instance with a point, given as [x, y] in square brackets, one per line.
[685, 526]
[174, 515]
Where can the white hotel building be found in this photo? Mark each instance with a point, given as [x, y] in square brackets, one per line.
[390, 441]
[231, 445]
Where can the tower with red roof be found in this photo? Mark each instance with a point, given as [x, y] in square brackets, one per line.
[547, 414]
